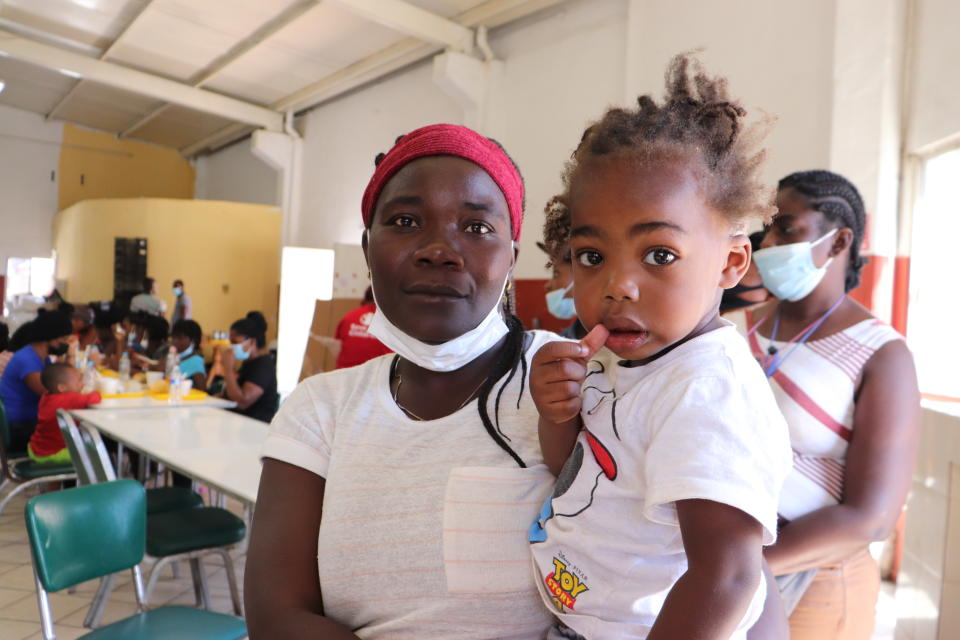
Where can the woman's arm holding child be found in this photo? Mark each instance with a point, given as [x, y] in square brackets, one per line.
[556, 374]
[724, 558]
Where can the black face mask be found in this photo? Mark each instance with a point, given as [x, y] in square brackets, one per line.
[58, 350]
[741, 288]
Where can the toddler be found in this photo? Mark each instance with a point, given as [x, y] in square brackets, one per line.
[64, 384]
[671, 458]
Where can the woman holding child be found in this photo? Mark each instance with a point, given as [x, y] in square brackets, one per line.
[846, 384]
[396, 495]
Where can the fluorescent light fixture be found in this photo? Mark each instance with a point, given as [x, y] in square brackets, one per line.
[72, 74]
[306, 275]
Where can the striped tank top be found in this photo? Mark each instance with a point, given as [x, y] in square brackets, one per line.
[815, 388]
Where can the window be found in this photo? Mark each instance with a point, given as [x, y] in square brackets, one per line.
[934, 309]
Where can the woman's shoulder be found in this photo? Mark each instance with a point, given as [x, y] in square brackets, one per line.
[337, 382]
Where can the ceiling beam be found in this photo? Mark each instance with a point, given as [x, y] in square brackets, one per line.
[134, 81]
[492, 13]
[258, 37]
[413, 21]
[53, 113]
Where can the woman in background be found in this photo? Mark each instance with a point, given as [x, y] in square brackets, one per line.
[20, 386]
[845, 382]
[185, 338]
[254, 387]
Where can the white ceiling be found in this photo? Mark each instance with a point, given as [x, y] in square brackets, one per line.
[237, 64]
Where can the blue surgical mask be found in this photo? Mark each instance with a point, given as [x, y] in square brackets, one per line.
[561, 306]
[788, 271]
[177, 291]
[239, 353]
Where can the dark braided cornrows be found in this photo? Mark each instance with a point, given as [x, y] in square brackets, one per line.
[697, 124]
[840, 203]
[510, 359]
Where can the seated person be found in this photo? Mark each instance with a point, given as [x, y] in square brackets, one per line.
[20, 386]
[82, 320]
[185, 338]
[153, 343]
[254, 387]
[63, 384]
[5, 352]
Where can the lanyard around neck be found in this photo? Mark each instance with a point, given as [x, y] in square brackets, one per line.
[777, 357]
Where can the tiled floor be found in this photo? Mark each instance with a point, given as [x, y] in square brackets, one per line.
[18, 603]
[19, 618]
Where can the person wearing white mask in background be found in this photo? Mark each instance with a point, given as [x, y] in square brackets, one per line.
[426, 463]
[254, 386]
[183, 307]
[846, 384]
[560, 285]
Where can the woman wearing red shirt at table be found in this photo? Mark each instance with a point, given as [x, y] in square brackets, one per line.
[352, 343]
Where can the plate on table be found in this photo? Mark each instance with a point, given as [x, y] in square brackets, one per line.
[135, 394]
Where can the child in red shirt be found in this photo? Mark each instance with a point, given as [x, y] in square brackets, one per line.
[63, 384]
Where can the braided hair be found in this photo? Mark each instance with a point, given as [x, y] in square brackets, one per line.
[698, 124]
[510, 359]
[840, 203]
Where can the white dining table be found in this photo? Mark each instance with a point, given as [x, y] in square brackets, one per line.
[148, 402]
[218, 448]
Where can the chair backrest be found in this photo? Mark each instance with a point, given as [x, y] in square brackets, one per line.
[97, 453]
[87, 532]
[77, 447]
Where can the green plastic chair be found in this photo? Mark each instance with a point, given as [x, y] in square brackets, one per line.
[90, 532]
[82, 450]
[181, 534]
[22, 472]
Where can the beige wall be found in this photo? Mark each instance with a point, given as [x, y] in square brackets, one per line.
[227, 253]
[94, 164]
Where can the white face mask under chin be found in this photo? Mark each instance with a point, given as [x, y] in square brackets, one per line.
[448, 356]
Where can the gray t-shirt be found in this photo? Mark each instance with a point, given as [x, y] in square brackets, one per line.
[182, 309]
[148, 303]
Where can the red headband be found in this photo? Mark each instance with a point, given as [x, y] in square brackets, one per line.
[449, 140]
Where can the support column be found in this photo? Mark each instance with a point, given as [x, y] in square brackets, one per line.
[472, 83]
[865, 137]
[284, 153]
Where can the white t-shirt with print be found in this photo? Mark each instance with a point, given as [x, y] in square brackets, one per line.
[424, 523]
[697, 423]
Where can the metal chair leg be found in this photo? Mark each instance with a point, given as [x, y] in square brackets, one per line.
[200, 587]
[29, 483]
[232, 581]
[154, 576]
[95, 613]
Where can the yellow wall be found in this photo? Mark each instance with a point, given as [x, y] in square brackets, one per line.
[112, 168]
[227, 253]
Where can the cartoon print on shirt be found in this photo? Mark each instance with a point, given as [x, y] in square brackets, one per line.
[574, 464]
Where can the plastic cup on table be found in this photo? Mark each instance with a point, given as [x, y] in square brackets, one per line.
[108, 386]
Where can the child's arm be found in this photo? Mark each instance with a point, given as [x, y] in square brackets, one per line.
[724, 548]
[557, 371]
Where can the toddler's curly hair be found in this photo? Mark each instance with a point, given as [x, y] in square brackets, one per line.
[697, 123]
